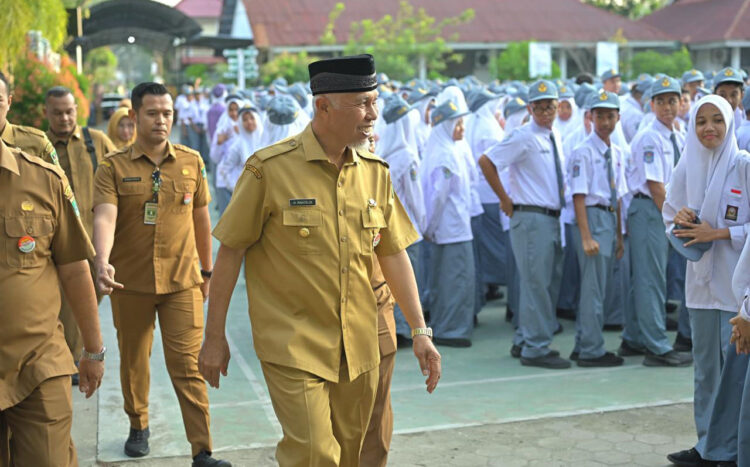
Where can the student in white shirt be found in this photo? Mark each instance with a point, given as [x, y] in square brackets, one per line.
[654, 153]
[597, 182]
[708, 201]
[448, 201]
[242, 147]
[227, 128]
[743, 132]
[533, 154]
[632, 112]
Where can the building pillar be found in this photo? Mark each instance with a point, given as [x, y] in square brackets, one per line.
[563, 59]
[736, 55]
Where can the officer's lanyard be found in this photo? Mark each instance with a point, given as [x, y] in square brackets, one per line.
[151, 208]
[155, 184]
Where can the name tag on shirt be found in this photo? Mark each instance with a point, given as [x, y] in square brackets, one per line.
[131, 179]
[303, 202]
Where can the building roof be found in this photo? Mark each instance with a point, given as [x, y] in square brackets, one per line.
[200, 8]
[682, 20]
[302, 22]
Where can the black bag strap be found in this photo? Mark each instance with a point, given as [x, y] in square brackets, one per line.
[90, 146]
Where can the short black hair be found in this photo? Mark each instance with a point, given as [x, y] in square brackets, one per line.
[584, 78]
[729, 83]
[5, 82]
[57, 91]
[143, 89]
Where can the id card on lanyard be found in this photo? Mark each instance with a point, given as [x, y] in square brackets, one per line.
[151, 208]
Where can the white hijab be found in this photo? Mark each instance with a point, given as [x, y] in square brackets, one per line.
[250, 142]
[483, 130]
[441, 151]
[398, 147]
[698, 180]
[274, 133]
[566, 126]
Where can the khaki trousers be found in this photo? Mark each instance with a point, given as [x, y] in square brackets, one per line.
[70, 327]
[41, 426]
[324, 423]
[378, 437]
[181, 323]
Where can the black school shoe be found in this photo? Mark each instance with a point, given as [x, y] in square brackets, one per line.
[448, 342]
[204, 459]
[607, 360]
[563, 313]
[137, 443]
[689, 458]
[549, 361]
[671, 324]
[682, 343]
[670, 358]
[515, 351]
[627, 350]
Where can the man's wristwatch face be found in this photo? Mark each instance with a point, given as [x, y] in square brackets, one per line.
[99, 357]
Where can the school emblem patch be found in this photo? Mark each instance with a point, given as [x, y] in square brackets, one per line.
[520, 101]
[542, 87]
[453, 106]
[648, 157]
[563, 89]
[603, 96]
[732, 212]
[402, 110]
[729, 72]
[693, 72]
[665, 83]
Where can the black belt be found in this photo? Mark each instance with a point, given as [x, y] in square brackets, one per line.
[603, 207]
[536, 209]
[641, 196]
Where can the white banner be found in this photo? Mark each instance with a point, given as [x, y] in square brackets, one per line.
[606, 57]
[540, 59]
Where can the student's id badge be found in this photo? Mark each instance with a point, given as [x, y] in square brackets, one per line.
[150, 212]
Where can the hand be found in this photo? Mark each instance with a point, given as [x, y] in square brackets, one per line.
[506, 204]
[740, 334]
[105, 278]
[590, 246]
[205, 287]
[90, 374]
[620, 248]
[686, 216]
[700, 233]
[429, 361]
[214, 359]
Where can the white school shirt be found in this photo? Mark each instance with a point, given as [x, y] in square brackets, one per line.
[653, 157]
[448, 200]
[587, 171]
[631, 115]
[529, 155]
[743, 135]
[717, 294]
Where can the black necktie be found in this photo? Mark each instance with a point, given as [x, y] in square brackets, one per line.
[558, 171]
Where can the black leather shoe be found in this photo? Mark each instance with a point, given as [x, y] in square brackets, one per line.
[688, 458]
[627, 350]
[549, 361]
[562, 313]
[402, 341]
[671, 324]
[137, 443]
[515, 351]
[670, 358]
[612, 327]
[573, 356]
[607, 360]
[204, 459]
[682, 343]
[670, 307]
[458, 342]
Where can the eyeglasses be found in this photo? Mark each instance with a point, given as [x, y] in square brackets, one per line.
[548, 109]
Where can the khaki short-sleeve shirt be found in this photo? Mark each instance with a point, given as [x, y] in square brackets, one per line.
[76, 161]
[39, 229]
[160, 258]
[310, 231]
[29, 140]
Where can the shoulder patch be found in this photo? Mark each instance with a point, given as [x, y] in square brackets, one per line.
[276, 149]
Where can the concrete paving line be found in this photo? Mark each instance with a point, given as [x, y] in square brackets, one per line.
[562, 414]
[505, 379]
[255, 384]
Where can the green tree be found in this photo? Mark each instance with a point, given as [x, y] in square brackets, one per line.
[400, 42]
[19, 17]
[633, 9]
[100, 66]
[513, 63]
[292, 67]
[653, 62]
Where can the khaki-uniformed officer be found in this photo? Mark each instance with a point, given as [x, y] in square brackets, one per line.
[41, 240]
[308, 243]
[377, 441]
[151, 226]
[28, 139]
[70, 145]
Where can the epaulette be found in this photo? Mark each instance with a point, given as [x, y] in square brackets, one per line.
[281, 147]
[189, 150]
[111, 154]
[31, 130]
[368, 155]
[56, 169]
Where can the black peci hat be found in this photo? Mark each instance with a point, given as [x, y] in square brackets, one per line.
[343, 74]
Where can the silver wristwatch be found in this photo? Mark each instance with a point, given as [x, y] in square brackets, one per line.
[99, 357]
[421, 332]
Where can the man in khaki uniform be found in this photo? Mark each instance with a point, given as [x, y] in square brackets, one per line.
[377, 441]
[45, 247]
[308, 243]
[151, 226]
[28, 139]
[70, 145]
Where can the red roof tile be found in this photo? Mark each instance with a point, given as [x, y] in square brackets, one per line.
[683, 20]
[200, 8]
[301, 22]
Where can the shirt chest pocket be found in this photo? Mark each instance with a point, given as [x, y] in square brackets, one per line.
[132, 195]
[184, 190]
[305, 226]
[372, 221]
[27, 241]
[736, 209]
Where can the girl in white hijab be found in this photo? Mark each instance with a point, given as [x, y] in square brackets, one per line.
[710, 183]
[227, 129]
[246, 143]
[284, 118]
